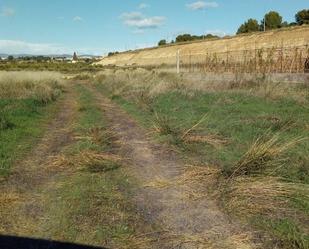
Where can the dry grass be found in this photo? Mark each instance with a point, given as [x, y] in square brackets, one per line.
[99, 136]
[86, 160]
[215, 140]
[42, 86]
[191, 175]
[264, 153]
[144, 85]
[248, 196]
[8, 198]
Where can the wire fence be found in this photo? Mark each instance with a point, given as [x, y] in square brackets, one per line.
[270, 60]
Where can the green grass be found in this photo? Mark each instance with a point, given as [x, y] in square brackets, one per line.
[24, 121]
[240, 118]
[288, 234]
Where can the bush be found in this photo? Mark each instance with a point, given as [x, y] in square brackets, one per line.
[4, 121]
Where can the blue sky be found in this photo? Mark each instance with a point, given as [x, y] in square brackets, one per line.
[100, 26]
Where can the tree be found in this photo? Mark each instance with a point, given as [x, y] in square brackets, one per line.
[184, 38]
[251, 25]
[162, 43]
[10, 58]
[272, 20]
[302, 17]
[210, 36]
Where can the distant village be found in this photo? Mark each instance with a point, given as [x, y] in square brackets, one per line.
[50, 58]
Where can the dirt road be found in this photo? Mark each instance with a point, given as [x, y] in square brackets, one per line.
[179, 220]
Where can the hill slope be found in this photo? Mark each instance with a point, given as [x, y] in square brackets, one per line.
[196, 51]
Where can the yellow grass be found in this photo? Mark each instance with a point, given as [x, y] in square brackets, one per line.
[264, 153]
[42, 86]
[261, 195]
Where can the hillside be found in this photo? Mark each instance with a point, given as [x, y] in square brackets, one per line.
[232, 47]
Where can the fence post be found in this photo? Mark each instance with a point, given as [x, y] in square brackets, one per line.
[227, 60]
[178, 62]
[281, 57]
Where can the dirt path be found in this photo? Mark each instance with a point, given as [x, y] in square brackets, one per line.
[21, 207]
[185, 222]
[182, 222]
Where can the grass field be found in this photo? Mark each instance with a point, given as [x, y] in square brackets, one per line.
[25, 105]
[255, 134]
[244, 145]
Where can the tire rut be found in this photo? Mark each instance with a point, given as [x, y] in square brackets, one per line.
[185, 223]
[21, 194]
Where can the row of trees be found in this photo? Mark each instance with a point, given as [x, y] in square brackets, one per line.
[273, 20]
[188, 37]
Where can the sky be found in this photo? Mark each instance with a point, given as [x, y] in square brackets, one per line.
[100, 26]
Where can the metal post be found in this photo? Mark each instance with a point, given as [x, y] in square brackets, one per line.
[178, 61]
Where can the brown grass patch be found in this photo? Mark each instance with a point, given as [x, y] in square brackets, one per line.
[264, 153]
[8, 199]
[267, 195]
[99, 136]
[214, 140]
[89, 160]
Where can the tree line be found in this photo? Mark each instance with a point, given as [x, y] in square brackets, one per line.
[271, 20]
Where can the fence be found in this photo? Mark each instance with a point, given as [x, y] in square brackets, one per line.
[270, 60]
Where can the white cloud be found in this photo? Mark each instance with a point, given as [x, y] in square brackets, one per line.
[77, 19]
[201, 5]
[143, 6]
[139, 21]
[5, 11]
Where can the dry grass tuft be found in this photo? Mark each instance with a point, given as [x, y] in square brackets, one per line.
[213, 139]
[99, 136]
[263, 154]
[163, 125]
[192, 175]
[8, 198]
[199, 174]
[159, 183]
[87, 160]
[264, 195]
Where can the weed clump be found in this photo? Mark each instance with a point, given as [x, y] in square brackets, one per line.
[163, 125]
[263, 153]
[5, 123]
